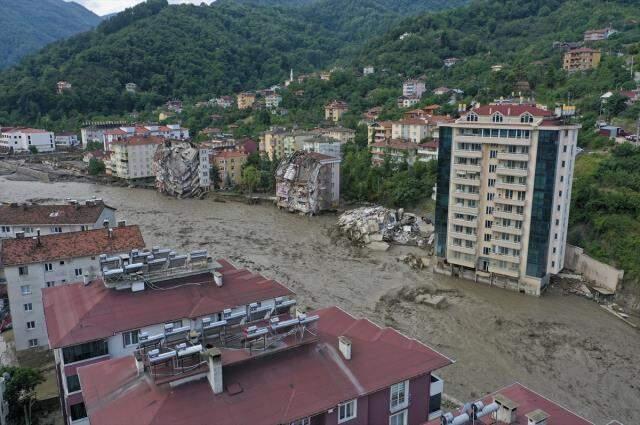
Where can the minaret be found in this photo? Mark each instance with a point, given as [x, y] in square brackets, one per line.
[291, 76]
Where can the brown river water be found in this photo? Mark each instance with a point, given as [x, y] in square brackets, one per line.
[565, 347]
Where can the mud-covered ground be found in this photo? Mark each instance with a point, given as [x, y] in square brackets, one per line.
[565, 347]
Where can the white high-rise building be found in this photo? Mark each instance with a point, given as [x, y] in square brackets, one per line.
[504, 190]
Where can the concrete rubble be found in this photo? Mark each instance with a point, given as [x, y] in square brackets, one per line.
[370, 226]
[176, 166]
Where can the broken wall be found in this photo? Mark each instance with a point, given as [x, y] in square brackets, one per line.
[597, 273]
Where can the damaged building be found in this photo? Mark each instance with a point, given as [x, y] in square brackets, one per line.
[308, 182]
[181, 169]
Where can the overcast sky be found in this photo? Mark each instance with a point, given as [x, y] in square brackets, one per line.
[104, 7]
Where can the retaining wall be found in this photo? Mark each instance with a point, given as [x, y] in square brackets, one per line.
[594, 271]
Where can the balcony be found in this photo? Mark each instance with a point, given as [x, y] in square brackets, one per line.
[468, 223]
[507, 258]
[463, 209]
[505, 214]
[466, 153]
[503, 200]
[466, 195]
[463, 249]
[510, 186]
[510, 230]
[464, 236]
[460, 261]
[507, 244]
[506, 272]
[466, 167]
[507, 156]
[496, 140]
[461, 180]
[519, 172]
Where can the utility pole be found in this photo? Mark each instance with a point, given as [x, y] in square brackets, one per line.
[637, 141]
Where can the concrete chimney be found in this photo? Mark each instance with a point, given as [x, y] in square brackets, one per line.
[110, 230]
[537, 417]
[507, 410]
[217, 277]
[39, 242]
[344, 345]
[214, 357]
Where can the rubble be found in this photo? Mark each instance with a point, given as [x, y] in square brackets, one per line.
[176, 166]
[368, 225]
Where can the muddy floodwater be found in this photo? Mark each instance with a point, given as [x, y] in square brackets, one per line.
[566, 347]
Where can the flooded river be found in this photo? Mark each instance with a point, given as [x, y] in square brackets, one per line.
[565, 347]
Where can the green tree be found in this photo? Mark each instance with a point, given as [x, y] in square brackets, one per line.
[96, 167]
[19, 389]
[250, 178]
[33, 149]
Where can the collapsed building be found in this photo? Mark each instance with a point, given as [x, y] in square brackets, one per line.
[379, 226]
[308, 182]
[181, 169]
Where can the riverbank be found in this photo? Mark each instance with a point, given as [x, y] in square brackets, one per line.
[565, 347]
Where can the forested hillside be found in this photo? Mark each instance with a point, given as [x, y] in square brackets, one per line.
[28, 25]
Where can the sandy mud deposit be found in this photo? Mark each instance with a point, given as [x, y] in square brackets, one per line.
[566, 347]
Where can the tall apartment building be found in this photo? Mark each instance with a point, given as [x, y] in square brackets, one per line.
[582, 59]
[132, 158]
[22, 139]
[246, 100]
[44, 261]
[148, 300]
[71, 217]
[504, 190]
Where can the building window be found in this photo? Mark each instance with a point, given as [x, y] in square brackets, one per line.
[78, 272]
[493, 154]
[492, 168]
[488, 224]
[472, 117]
[33, 342]
[23, 271]
[77, 411]
[31, 324]
[497, 117]
[347, 411]
[50, 284]
[28, 307]
[5, 229]
[526, 118]
[48, 267]
[25, 289]
[89, 350]
[399, 396]
[305, 421]
[56, 229]
[130, 338]
[399, 418]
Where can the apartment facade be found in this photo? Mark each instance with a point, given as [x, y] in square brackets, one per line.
[272, 101]
[272, 143]
[342, 134]
[504, 190]
[229, 164]
[394, 150]
[66, 139]
[413, 88]
[334, 110]
[48, 219]
[338, 370]
[94, 323]
[379, 131]
[582, 59]
[31, 264]
[133, 157]
[246, 100]
[324, 145]
[21, 139]
[123, 133]
[413, 129]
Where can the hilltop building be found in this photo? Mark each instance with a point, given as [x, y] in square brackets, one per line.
[379, 131]
[246, 100]
[582, 59]
[368, 70]
[395, 150]
[45, 261]
[342, 134]
[308, 182]
[131, 87]
[63, 86]
[273, 100]
[22, 139]
[334, 110]
[413, 88]
[94, 131]
[407, 101]
[599, 34]
[504, 190]
[48, 219]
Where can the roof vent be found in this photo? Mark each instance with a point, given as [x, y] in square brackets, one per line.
[507, 409]
[19, 235]
[105, 223]
[537, 417]
[217, 277]
[122, 223]
[344, 345]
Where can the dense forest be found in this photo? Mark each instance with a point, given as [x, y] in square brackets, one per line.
[28, 25]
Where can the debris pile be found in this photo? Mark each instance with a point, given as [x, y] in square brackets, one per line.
[375, 225]
[176, 166]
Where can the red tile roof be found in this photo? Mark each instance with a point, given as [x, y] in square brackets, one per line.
[77, 313]
[528, 401]
[512, 110]
[276, 389]
[26, 130]
[433, 144]
[140, 140]
[60, 246]
[35, 215]
[395, 144]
